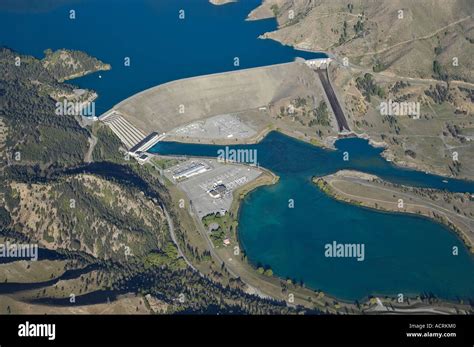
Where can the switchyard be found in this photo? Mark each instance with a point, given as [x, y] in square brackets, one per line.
[209, 184]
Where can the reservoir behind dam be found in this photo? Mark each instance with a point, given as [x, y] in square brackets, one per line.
[403, 253]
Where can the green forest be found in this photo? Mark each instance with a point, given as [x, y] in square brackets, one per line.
[45, 180]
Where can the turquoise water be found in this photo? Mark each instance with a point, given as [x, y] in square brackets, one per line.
[403, 253]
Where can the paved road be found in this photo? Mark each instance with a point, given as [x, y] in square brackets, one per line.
[173, 237]
[214, 254]
[336, 107]
[202, 231]
[92, 142]
[424, 203]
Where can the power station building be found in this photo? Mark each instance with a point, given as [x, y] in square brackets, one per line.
[193, 169]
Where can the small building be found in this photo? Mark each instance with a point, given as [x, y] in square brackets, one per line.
[193, 169]
[146, 143]
[142, 158]
[319, 63]
[217, 191]
[226, 242]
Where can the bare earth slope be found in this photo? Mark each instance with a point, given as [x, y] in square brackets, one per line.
[174, 104]
[399, 36]
[413, 52]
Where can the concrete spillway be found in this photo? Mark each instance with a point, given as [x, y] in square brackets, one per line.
[336, 107]
[179, 103]
[133, 138]
[127, 133]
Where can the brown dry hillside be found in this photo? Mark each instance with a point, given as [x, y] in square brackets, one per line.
[89, 214]
[375, 34]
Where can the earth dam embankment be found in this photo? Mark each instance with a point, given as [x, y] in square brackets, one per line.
[173, 104]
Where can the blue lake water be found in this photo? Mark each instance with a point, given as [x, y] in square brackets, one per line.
[161, 47]
[403, 253]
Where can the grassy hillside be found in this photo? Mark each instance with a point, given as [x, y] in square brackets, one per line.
[401, 36]
[36, 134]
[90, 214]
[109, 228]
[66, 64]
[405, 51]
[438, 141]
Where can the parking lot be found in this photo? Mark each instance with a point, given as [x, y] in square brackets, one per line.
[199, 186]
[224, 126]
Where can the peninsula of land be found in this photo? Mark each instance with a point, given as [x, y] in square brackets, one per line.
[455, 210]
